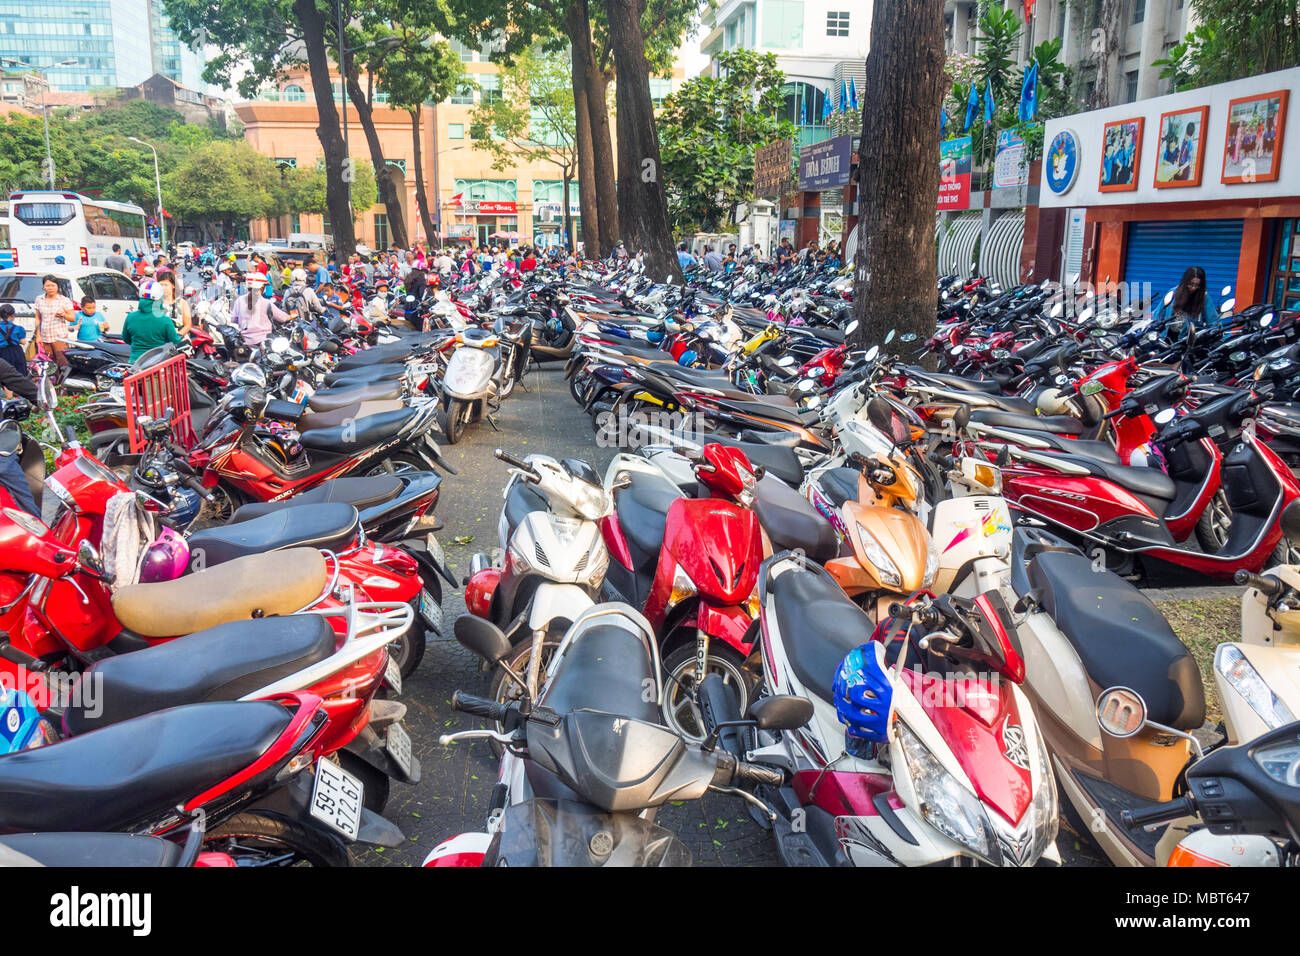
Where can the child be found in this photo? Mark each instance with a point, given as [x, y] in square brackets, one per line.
[11, 340]
[89, 323]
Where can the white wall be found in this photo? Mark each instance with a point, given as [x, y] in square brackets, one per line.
[1088, 128]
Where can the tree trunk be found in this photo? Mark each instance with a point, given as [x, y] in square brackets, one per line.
[327, 130]
[596, 82]
[898, 171]
[426, 217]
[387, 188]
[643, 209]
[582, 131]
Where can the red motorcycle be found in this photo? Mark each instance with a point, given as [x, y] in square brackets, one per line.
[691, 565]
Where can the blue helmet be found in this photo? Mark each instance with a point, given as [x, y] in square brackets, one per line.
[863, 692]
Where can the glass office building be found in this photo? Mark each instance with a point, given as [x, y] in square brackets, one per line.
[115, 42]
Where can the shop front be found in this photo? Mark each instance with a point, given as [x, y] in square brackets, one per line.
[548, 213]
[483, 211]
[1200, 178]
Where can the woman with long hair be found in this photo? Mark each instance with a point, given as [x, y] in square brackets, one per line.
[1187, 302]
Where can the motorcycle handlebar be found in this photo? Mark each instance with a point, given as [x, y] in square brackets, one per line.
[754, 773]
[480, 706]
[1159, 813]
[519, 463]
[1267, 585]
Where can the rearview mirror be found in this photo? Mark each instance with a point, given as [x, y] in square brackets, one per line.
[781, 712]
[872, 353]
[1165, 416]
[1266, 320]
[1228, 306]
[786, 361]
[806, 385]
[1169, 297]
[1121, 712]
[482, 638]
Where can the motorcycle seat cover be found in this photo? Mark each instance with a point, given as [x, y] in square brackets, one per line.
[1097, 450]
[766, 409]
[786, 438]
[1002, 418]
[281, 582]
[331, 399]
[1143, 482]
[369, 375]
[779, 461]
[642, 510]
[521, 500]
[355, 436]
[360, 493]
[1121, 638]
[955, 382]
[93, 849]
[792, 522]
[122, 774]
[331, 527]
[337, 416]
[818, 624]
[220, 663]
[605, 668]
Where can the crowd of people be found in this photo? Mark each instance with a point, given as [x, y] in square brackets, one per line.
[786, 256]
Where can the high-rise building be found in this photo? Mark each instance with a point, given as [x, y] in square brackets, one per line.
[116, 43]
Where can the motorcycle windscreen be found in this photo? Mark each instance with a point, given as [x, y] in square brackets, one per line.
[565, 833]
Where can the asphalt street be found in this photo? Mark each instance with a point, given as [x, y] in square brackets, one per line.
[453, 794]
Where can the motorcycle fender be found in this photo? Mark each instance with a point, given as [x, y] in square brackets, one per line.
[292, 802]
[730, 623]
[552, 601]
[419, 550]
[369, 746]
[464, 849]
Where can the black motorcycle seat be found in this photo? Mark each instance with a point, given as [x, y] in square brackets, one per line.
[384, 354]
[765, 409]
[1146, 483]
[1000, 418]
[604, 668]
[955, 382]
[125, 774]
[354, 436]
[521, 501]
[327, 526]
[625, 347]
[221, 663]
[330, 399]
[840, 485]
[791, 522]
[93, 849]
[1121, 638]
[818, 624]
[785, 438]
[283, 411]
[311, 421]
[1100, 450]
[777, 460]
[642, 510]
[360, 493]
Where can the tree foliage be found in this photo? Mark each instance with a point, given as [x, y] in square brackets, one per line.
[708, 132]
[533, 118]
[1234, 40]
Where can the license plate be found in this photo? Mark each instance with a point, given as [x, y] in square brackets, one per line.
[430, 610]
[398, 744]
[393, 675]
[336, 799]
[435, 549]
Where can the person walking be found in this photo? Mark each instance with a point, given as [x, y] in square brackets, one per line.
[118, 261]
[712, 259]
[147, 327]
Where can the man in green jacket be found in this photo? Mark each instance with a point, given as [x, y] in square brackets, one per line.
[145, 328]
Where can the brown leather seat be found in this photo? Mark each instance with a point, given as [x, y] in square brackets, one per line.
[256, 586]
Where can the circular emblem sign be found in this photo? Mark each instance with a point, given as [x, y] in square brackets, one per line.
[1062, 166]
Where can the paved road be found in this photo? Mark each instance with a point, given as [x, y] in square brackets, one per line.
[453, 795]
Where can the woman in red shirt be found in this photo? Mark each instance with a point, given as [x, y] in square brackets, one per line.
[529, 261]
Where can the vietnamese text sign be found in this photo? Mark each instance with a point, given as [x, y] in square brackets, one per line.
[772, 169]
[954, 173]
[825, 165]
[1010, 168]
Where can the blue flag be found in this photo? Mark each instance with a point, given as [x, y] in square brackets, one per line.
[1029, 93]
[803, 111]
[844, 97]
[972, 104]
[853, 94]
[943, 121]
[988, 101]
[826, 105]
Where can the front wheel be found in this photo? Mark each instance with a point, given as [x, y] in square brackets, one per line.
[505, 689]
[1215, 523]
[256, 839]
[681, 712]
[455, 419]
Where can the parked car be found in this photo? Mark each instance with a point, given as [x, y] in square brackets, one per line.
[115, 294]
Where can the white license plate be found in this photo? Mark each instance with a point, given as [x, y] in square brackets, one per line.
[435, 548]
[336, 799]
[398, 744]
[393, 675]
[430, 610]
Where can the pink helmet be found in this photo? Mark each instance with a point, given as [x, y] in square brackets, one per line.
[166, 559]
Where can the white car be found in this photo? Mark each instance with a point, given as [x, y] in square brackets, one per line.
[114, 293]
[184, 249]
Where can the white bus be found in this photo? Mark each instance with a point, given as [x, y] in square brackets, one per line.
[48, 228]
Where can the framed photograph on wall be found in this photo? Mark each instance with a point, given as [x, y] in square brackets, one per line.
[1252, 147]
[1121, 152]
[1180, 149]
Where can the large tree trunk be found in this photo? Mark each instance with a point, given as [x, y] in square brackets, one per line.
[596, 82]
[327, 130]
[387, 188]
[643, 209]
[582, 131]
[898, 171]
[426, 217]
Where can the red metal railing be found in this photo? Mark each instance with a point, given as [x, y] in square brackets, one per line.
[153, 392]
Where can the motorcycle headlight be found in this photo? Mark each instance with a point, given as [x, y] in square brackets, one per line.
[931, 564]
[1246, 681]
[1044, 811]
[598, 561]
[877, 556]
[944, 803]
[590, 501]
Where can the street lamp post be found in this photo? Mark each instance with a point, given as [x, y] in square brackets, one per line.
[157, 179]
[45, 115]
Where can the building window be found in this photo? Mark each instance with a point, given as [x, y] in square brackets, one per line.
[492, 190]
[455, 130]
[465, 53]
[289, 162]
[837, 23]
[1131, 86]
[489, 85]
[1286, 268]
[293, 93]
[295, 222]
[464, 95]
[1139, 10]
[381, 231]
[803, 101]
[783, 24]
[659, 90]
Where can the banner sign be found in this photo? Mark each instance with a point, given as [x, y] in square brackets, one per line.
[1010, 168]
[825, 165]
[487, 207]
[954, 173]
[772, 169]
